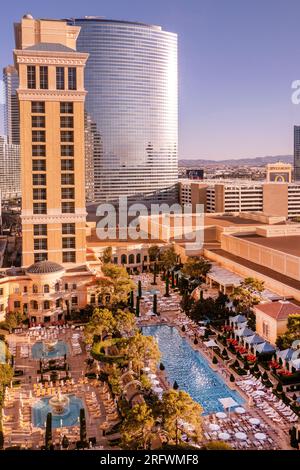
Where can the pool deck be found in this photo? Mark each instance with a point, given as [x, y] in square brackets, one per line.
[279, 433]
[17, 415]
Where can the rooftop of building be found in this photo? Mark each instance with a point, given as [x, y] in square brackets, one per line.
[100, 19]
[49, 47]
[289, 244]
[279, 310]
[44, 267]
[258, 268]
[227, 220]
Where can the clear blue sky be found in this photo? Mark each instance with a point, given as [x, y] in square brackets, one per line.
[237, 59]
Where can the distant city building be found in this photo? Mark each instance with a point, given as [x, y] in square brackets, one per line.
[11, 107]
[131, 106]
[9, 170]
[297, 153]
[273, 198]
[195, 174]
[279, 172]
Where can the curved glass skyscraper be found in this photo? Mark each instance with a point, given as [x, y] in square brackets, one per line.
[131, 109]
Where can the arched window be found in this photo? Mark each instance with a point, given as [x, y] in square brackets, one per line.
[57, 287]
[124, 259]
[35, 289]
[34, 305]
[46, 289]
[46, 304]
[138, 258]
[131, 259]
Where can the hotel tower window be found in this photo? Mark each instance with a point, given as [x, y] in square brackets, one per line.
[38, 165]
[72, 79]
[44, 77]
[38, 136]
[66, 107]
[67, 165]
[31, 77]
[38, 107]
[68, 229]
[38, 121]
[67, 136]
[40, 229]
[69, 257]
[60, 78]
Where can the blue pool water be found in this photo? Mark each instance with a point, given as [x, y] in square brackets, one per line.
[69, 418]
[2, 352]
[40, 351]
[190, 369]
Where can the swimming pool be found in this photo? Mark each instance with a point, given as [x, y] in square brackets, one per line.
[39, 350]
[41, 408]
[190, 369]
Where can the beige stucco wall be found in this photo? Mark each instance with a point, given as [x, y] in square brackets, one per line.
[270, 283]
[276, 328]
[283, 263]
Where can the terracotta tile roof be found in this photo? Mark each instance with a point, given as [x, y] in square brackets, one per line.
[279, 310]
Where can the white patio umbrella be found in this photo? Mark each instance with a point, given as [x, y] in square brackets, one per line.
[221, 415]
[254, 421]
[240, 410]
[224, 436]
[152, 376]
[260, 436]
[241, 436]
[228, 403]
[146, 369]
[155, 381]
[214, 427]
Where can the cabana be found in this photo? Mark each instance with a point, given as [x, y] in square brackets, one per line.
[255, 339]
[296, 364]
[264, 348]
[237, 319]
[288, 354]
[244, 332]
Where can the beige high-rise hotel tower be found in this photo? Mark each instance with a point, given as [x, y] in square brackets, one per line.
[51, 99]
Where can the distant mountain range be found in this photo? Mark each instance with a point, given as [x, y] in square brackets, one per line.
[256, 161]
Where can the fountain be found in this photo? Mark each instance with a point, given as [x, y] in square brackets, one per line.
[49, 344]
[59, 404]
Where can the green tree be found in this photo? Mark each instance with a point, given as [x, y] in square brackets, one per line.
[168, 258]
[102, 322]
[187, 303]
[14, 319]
[137, 430]
[125, 323]
[293, 332]
[153, 252]
[142, 349]
[121, 282]
[6, 376]
[106, 255]
[180, 415]
[247, 294]
[217, 445]
[196, 267]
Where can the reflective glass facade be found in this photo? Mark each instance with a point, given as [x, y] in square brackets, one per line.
[131, 109]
